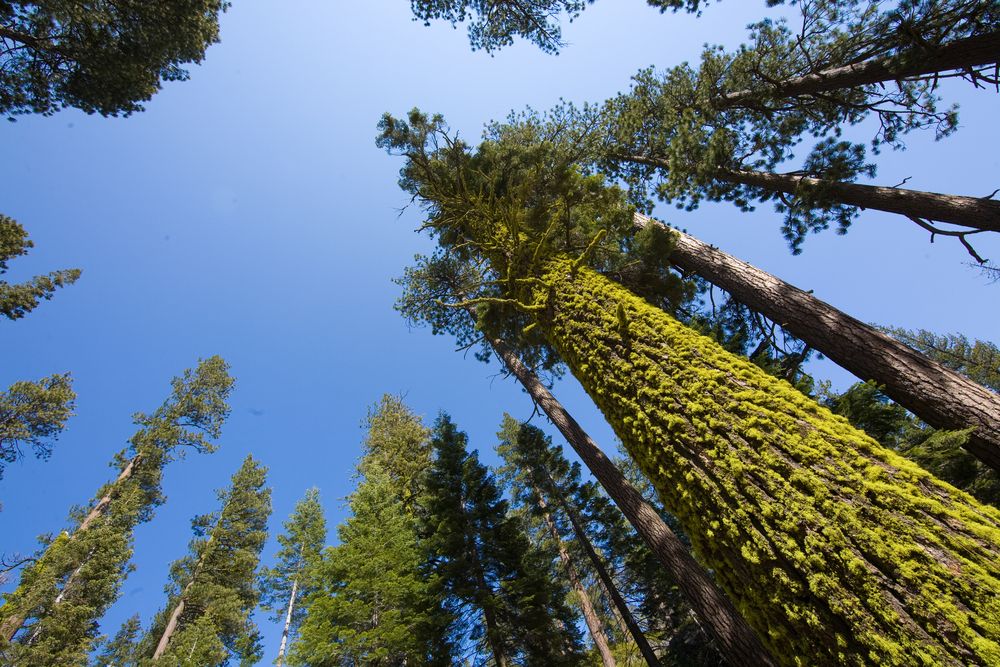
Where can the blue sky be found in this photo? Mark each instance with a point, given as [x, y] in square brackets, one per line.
[248, 213]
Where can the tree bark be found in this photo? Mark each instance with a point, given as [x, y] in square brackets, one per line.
[590, 616]
[936, 394]
[737, 642]
[961, 54]
[171, 627]
[288, 622]
[9, 625]
[976, 213]
[624, 613]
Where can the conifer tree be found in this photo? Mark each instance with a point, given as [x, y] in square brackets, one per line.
[544, 483]
[493, 580]
[812, 527]
[121, 650]
[102, 57]
[373, 603]
[293, 578]
[51, 618]
[18, 300]
[213, 590]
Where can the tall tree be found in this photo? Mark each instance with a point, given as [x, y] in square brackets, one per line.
[293, 578]
[486, 568]
[213, 590]
[373, 602]
[103, 57]
[978, 360]
[431, 288]
[78, 576]
[747, 464]
[546, 485]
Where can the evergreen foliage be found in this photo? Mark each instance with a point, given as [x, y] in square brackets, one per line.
[493, 580]
[826, 541]
[978, 360]
[372, 602]
[213, 590]
[18, 300]
[52, 615]
[294, 577]
[102, 57]
[32, 414]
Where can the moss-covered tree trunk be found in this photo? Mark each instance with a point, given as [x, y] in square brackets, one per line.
[837, 550]
[937, 394]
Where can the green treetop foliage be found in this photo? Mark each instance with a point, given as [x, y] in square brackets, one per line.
[18, 300]
[495, 583]
[53, 613]
[301, 546]
[102, 57]
[32, 414]
[743, 460]
[373, 603]
[120, 651]
[978, 360]
[215, 587]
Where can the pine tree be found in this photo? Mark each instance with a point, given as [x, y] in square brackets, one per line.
[51, 618]
[32, 414]
[103, 57]
[373, 603]
[16, 301]
[121, 650]
[213, 590]
[544, 483]
[293, 578]
[809, 524]
[431, 288]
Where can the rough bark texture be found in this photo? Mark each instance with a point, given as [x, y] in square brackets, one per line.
[590, 616]
[837, 550]
[972, 212]
[737, 642]
[938, 395]
[957, 55]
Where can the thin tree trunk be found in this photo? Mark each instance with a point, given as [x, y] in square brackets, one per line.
[9, 625]
[934, 393]
[737, 642]
[961, 54]
[624, 613]
[976, 213]
[590, 616]
[171, 627]
[288, 622]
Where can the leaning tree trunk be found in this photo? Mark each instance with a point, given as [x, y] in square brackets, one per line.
[590, 616]
[737, 642]
[617, 601]
[13, 618]
[838, 550]
[288, 623]
[975, 213]
[936, 394]
[961, 54]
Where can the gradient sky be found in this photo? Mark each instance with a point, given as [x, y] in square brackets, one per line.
[248, 213]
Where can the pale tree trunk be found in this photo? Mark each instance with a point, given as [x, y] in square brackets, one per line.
[175, 615]
[961, 54]
[10, 624]
[288, 622]
[590, 616]
[936, 394]
[737, 642]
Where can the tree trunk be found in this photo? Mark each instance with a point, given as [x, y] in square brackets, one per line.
[934, 393]
[972, 212]
[624, 613]
[838, 550]
[171, 627]
[288, 622]
[961, 54]
[590, 616]
[10, 624]
[737, 642]
[975, 213]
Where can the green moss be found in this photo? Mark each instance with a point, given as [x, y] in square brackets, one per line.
[837, 550]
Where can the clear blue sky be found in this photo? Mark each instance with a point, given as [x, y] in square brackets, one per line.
[248, 213]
